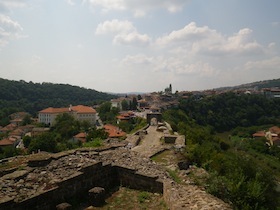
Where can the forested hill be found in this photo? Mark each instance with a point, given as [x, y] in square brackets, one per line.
[260, 84]
[32, 97]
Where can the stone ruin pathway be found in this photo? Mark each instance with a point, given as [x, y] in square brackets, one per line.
[151, 143]
[185, 195]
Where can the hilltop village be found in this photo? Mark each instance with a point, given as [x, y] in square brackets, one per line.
[125, 139]
[130, 106]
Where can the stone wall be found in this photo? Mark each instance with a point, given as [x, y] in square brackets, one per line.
[70, 175]
[79, 183]
[170, 139]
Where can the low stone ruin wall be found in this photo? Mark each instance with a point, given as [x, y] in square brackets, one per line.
[79, 183]
[43, 183]
[170, 139]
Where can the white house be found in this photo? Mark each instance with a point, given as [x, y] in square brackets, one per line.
[80, 112]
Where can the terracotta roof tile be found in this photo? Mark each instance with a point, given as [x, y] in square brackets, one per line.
[275, 129]
[6, 142]
[114, 131]
[78, 109]
[259, 134]
[83, 109]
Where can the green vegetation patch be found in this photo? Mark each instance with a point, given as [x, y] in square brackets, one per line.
[128, 199]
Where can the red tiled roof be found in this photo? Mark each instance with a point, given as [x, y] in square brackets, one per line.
[6, 142]
[54, 110]
[78, 109]
[259, 134]
[114, 131]
[81, 135]
[121, 117]
[275, 129]
[83, 109]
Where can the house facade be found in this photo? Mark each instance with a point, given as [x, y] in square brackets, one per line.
[79, 112]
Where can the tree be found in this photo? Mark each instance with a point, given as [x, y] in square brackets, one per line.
[96, 133]
[125, 105]
[134, 103]
[26, 141]
[44, 142]
[66, 125]
[26, 120]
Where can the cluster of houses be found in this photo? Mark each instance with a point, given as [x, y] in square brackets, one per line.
[146, 104]
[272, 135]
[15, 132]
[273, 92]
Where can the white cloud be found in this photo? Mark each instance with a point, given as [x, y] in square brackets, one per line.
[133, 38]
[8, 23]
[139, 59]
[124, 33]
[7, 5]
[139, 8]
[174, 65]
[114, 26]
[204, 40]
[9, 29]
[266, 64]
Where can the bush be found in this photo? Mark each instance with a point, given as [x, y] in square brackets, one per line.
[95, 143]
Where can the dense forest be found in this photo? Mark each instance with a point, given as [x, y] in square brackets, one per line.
[227, 111]
[33, 97]
[242, 171]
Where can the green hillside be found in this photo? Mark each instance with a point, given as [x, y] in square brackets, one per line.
[33, 97]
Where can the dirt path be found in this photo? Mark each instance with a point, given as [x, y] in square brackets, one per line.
[151, 143]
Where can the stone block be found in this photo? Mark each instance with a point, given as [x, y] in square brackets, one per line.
[97, 196]
[64, 206]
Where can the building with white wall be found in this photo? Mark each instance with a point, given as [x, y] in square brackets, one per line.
[80, 112]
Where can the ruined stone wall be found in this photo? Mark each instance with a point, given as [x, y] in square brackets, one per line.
[135, 180]
[78, 184]
[75, 186]
[72, 174]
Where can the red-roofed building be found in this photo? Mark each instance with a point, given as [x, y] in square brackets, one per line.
[259, 134]
[125, 116]
[80, 112]
[113, 131]
[80, 137]
[272, 135]
[6, 142]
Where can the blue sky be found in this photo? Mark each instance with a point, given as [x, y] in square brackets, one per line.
[132, 45]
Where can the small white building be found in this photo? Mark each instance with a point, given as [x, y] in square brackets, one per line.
[80, 112]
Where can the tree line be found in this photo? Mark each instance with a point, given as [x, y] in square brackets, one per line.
[227, 111]
[33, 97]
[242, 171]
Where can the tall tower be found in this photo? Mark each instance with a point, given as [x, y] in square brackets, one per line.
[170, 88]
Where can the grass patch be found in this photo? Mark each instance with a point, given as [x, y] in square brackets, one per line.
[162, 157]
[143, 196]
[174, 176]
[128, 199]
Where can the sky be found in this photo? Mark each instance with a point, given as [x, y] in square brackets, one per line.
[140, 46]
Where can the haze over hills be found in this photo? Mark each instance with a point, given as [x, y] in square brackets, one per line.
[259, 84]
